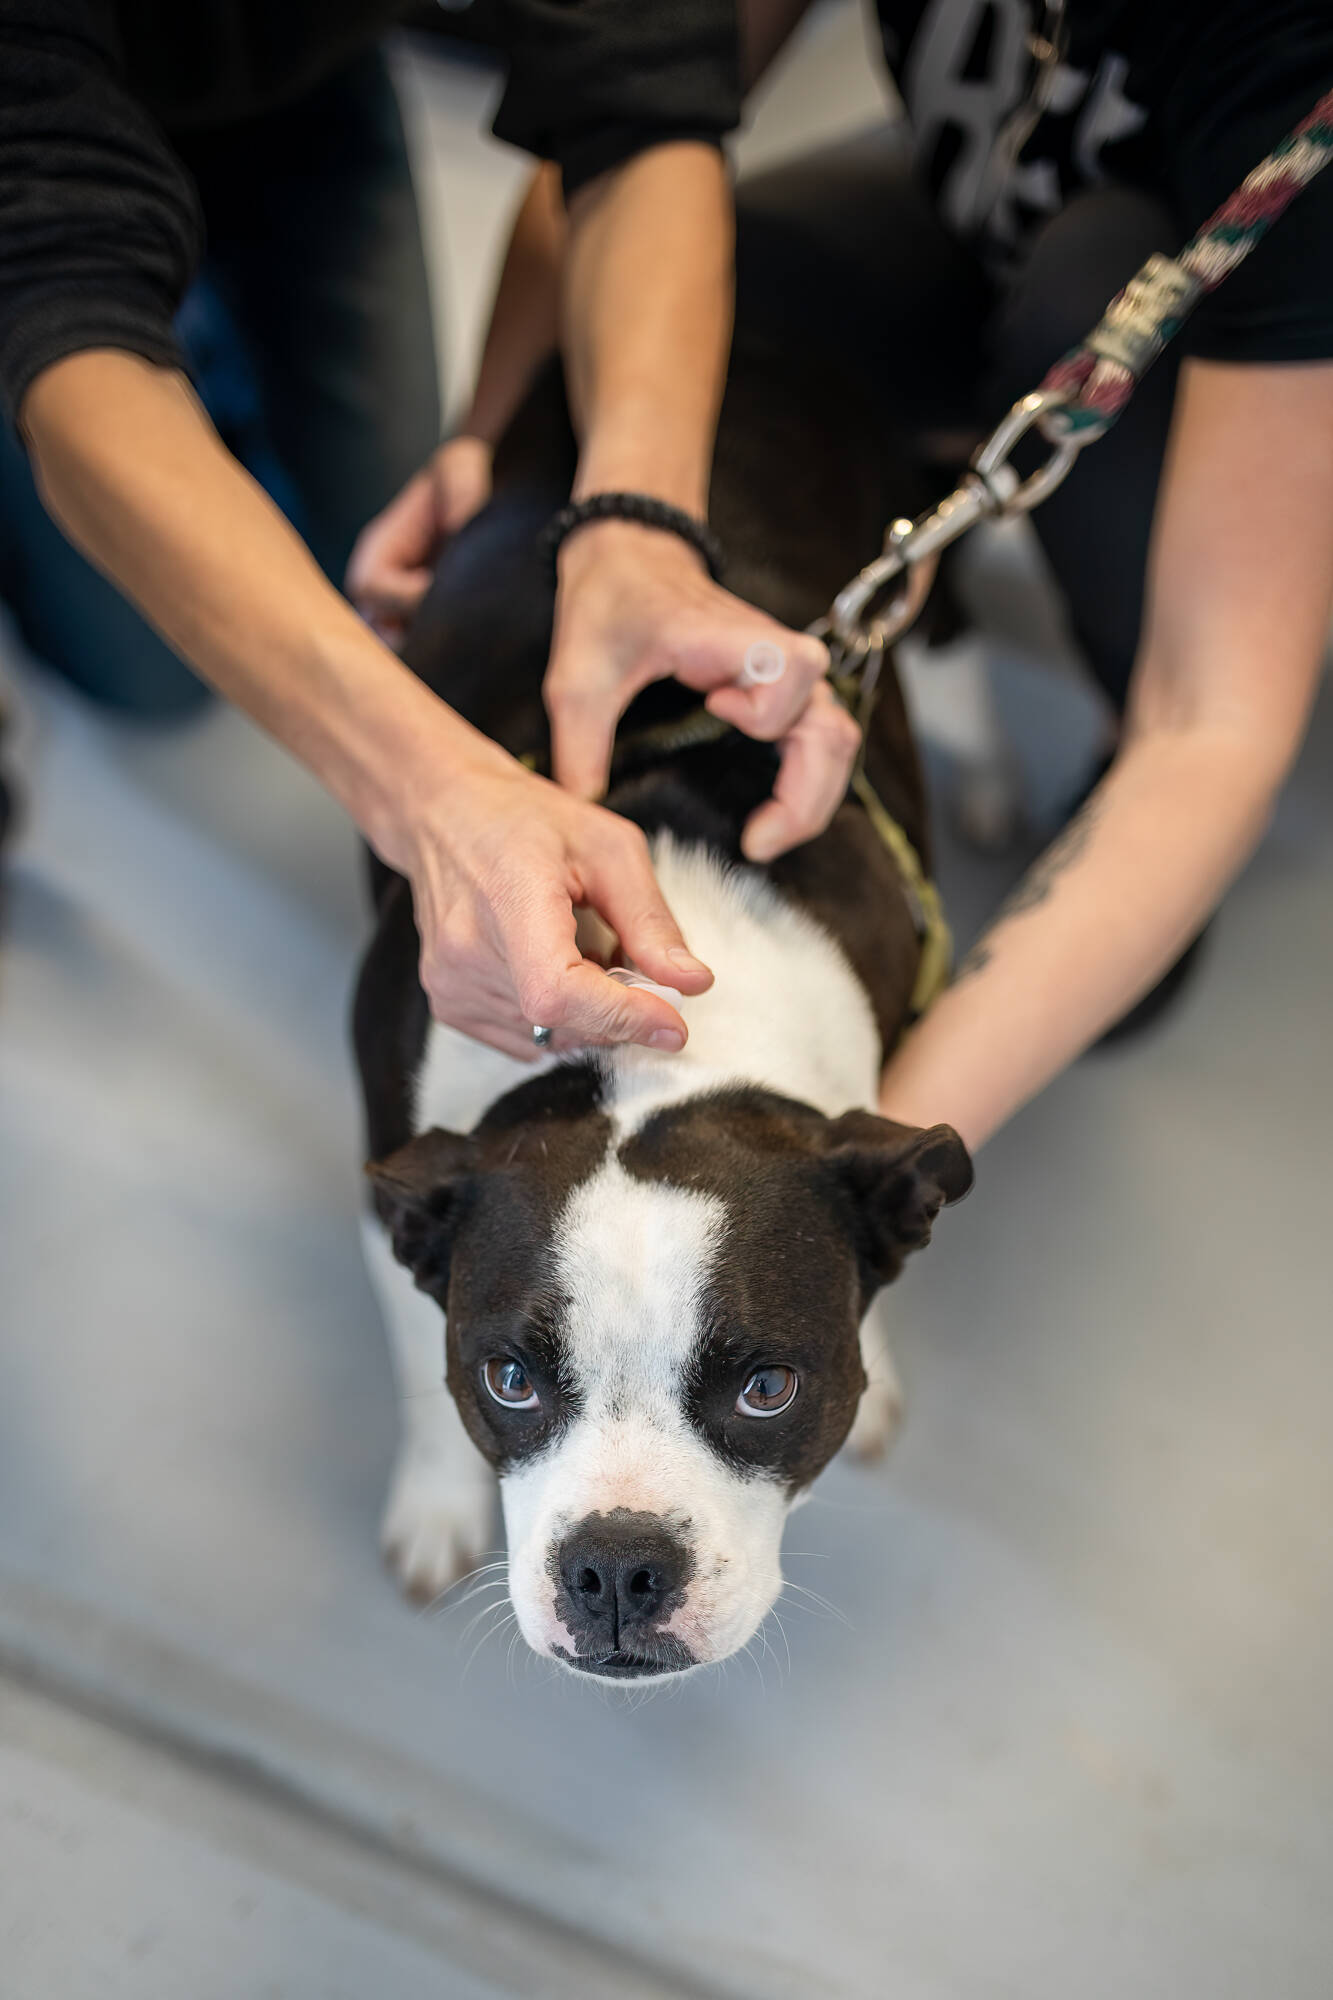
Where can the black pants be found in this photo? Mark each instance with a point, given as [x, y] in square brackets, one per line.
[309, 335]
[843, 251]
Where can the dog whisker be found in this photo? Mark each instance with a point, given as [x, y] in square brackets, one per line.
[786, 1643]
[477, 1590]
[747, 1654]
[496, 1604]
[500, 1562]
[439, 1608]
[477, 1579]
[490, 1633]
[767, 1644]
[816, 1607]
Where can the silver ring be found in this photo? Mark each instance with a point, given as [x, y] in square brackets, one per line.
[540, 1036]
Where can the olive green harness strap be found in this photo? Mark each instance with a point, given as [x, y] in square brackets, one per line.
[934, 937]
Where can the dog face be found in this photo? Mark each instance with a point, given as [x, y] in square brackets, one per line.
[653, 1336]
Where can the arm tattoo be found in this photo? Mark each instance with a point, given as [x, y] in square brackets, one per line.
[977, 959]
[1037, 884]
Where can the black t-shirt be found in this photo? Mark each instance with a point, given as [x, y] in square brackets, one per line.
[1178, 97]
[99, 225]
[99, 229]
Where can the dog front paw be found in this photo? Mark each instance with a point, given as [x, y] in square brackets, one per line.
[880, 1410]
[439, 1522]
[878, 1415]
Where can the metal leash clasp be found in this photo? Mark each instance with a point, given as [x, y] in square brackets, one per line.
[992, 490]
[847, 620]
[991, 464]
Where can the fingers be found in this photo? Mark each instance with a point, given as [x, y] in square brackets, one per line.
[461, 473]
[494, 898]
[469, 988]
[624, 890]
[565, 992]
[737, 670]
[817, 756]
[600, 1011]
[583, 719]
[389, 571]
[562, 990]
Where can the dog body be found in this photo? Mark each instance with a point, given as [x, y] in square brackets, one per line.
[656, 1270]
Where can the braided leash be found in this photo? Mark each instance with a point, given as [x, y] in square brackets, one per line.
[1080, 398]
[1092, 384]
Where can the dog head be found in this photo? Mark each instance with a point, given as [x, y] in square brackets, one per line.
[654, 1339]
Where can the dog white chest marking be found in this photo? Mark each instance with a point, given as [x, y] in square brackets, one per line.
[633, 1260]
[785, 1012]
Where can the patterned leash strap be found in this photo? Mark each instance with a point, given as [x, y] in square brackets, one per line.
[1090, 386]
[1081, 397]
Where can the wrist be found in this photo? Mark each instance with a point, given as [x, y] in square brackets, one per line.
[491, 408]
[643, 510]
[392, 748]
[614, 545]
[473, 433]
[634, 451]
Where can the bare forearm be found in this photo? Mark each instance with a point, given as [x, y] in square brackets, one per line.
[1240, 588]
[647, 321]
[1094, 924]
[525, 319]
[133, 470]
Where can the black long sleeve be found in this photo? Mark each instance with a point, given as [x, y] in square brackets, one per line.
[99, 224]
[592, 82]
[99, 229]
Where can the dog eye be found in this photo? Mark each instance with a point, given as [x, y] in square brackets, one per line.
[768, 1391]
[508, 1382]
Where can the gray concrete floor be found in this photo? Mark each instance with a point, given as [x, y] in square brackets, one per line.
[1065, 1728]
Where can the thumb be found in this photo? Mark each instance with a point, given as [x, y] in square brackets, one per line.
[583, 729]
[592, 1008]
[628, 896]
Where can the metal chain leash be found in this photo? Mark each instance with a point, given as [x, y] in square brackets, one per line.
[1078, 401]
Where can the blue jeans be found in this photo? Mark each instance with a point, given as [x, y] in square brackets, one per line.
[310, 340]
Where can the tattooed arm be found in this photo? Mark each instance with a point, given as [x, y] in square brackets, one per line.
[1239, 595]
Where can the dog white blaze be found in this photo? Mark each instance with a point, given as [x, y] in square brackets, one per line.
[785, 1011]
[633, 1259]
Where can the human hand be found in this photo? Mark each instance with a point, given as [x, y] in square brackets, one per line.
[391, 566]
[498, 860]
[636, 605]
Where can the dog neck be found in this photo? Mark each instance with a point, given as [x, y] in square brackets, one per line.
[786, 1012]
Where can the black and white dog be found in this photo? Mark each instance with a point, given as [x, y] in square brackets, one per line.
[655, 1270]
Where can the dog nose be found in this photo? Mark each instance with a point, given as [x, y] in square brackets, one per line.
[620, 1577]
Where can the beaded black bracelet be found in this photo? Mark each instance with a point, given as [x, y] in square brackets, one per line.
[640, 507]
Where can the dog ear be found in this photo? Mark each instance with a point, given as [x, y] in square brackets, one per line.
[898, 1177]
[418, 1196]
